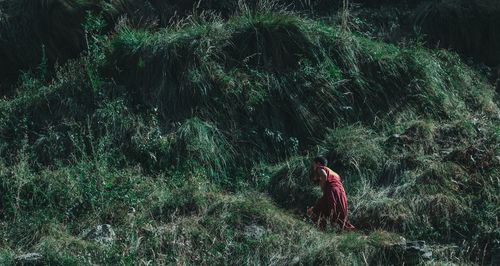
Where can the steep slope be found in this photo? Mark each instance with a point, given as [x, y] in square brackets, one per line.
[31, 35]
[193, 141]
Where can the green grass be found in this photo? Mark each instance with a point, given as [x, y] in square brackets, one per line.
[194, 141]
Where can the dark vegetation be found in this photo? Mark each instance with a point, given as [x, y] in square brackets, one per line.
[31, 32]
[186, 133]
[466, 27]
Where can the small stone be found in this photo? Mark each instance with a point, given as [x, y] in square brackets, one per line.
[31, 259]
[103, 234]
[413, 251]
[254, 231]
[418, 248]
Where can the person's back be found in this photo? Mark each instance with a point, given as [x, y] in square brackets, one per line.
[333, 204]
[332, 177]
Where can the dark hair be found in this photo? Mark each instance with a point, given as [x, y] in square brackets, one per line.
[321, 160]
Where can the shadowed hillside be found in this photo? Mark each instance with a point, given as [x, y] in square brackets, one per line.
[31, 33]
[193, 139]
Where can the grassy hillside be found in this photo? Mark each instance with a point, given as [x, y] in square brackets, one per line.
[193, 140]
[31, 33]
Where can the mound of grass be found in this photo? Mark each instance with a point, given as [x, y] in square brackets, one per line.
[291, 187]
[358, 69]
[353, 148]
[39, 116]
[201, 83]
[194, 142]
[31, 32]
[272, 43]
[204, 144]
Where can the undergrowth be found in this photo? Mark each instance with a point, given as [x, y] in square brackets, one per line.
[194, 142]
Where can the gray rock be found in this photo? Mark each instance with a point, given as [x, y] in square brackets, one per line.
[411, 252]
[31, 259]
[254, 231]
[102, 233]
[295, 260]
[418, 248]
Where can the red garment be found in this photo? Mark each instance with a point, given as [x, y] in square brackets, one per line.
[333, 204]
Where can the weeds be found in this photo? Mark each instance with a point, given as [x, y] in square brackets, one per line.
[194, 141]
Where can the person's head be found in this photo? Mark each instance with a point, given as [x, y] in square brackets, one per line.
[319, 161]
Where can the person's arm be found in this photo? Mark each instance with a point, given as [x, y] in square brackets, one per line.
[322, 182]
[322, 178]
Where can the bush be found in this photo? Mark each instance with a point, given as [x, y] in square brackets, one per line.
[376, 210]
[274, 43]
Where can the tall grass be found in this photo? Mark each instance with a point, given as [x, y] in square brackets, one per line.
[194, 141]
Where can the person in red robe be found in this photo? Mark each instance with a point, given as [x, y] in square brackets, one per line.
[332, 206]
